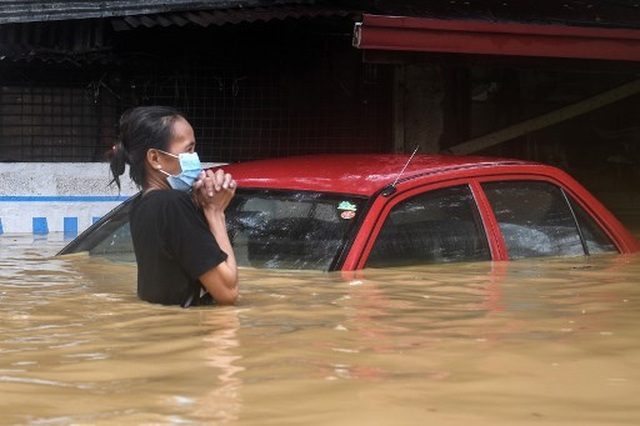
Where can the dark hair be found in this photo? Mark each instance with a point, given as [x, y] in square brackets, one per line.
[141, 128]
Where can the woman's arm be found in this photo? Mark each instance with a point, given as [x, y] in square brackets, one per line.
[212, 192]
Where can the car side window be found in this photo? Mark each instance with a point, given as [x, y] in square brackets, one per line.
[442, 225]
[536, 219]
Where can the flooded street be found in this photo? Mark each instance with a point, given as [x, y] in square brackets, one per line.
[530, 342]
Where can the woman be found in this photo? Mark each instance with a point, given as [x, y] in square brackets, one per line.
[178, 225]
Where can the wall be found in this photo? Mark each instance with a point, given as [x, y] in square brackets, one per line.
[40, 198]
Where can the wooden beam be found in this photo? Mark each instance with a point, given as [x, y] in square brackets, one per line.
[546, 120]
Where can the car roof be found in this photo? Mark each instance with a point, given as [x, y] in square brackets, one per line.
[360, 174]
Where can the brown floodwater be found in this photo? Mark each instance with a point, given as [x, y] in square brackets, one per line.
[553, 342]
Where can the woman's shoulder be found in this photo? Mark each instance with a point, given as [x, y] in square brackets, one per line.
[161, 198]
[160, 195]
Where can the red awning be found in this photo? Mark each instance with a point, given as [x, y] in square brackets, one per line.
[402, 33]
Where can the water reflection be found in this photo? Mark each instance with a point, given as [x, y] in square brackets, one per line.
[551, 341]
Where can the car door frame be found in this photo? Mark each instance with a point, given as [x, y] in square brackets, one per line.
[382, 205]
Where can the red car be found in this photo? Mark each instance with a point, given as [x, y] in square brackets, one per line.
[349, 212]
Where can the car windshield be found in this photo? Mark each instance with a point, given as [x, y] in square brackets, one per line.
[268, 229]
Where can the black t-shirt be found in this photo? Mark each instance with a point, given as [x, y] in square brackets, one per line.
[173, 247]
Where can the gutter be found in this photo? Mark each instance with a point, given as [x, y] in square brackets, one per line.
[403, 33]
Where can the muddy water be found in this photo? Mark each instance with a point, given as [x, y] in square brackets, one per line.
[530, 342]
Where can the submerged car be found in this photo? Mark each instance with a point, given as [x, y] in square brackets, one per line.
[348, 212]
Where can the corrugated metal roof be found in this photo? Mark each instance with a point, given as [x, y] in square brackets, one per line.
[601, 13]
[89, 40]
[85, 41]
[14, 11]
[82, 27]
[205, 18]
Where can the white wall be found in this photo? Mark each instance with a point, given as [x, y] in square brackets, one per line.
[57, 197]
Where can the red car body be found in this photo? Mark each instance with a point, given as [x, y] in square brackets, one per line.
[389, 179]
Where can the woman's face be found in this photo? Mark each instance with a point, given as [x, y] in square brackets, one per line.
[183, 141]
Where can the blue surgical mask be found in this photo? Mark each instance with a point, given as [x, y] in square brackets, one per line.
[191, 168]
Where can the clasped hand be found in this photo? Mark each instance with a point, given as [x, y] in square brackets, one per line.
[214, 190]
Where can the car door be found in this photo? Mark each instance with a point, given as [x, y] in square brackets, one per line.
[433, 226]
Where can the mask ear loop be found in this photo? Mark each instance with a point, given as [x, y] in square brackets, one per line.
[158, 166]
[168, 153]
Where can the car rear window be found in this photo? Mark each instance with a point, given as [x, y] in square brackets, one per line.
[110, 237]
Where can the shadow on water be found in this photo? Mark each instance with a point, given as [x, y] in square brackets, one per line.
[552, 341]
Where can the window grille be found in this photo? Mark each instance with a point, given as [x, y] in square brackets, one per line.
[53, 124]
[239, 115]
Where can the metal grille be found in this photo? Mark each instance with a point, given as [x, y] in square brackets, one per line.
[237, 115]
[242, 115]
[52, 124]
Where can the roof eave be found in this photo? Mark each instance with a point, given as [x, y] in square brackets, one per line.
[402, 33]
